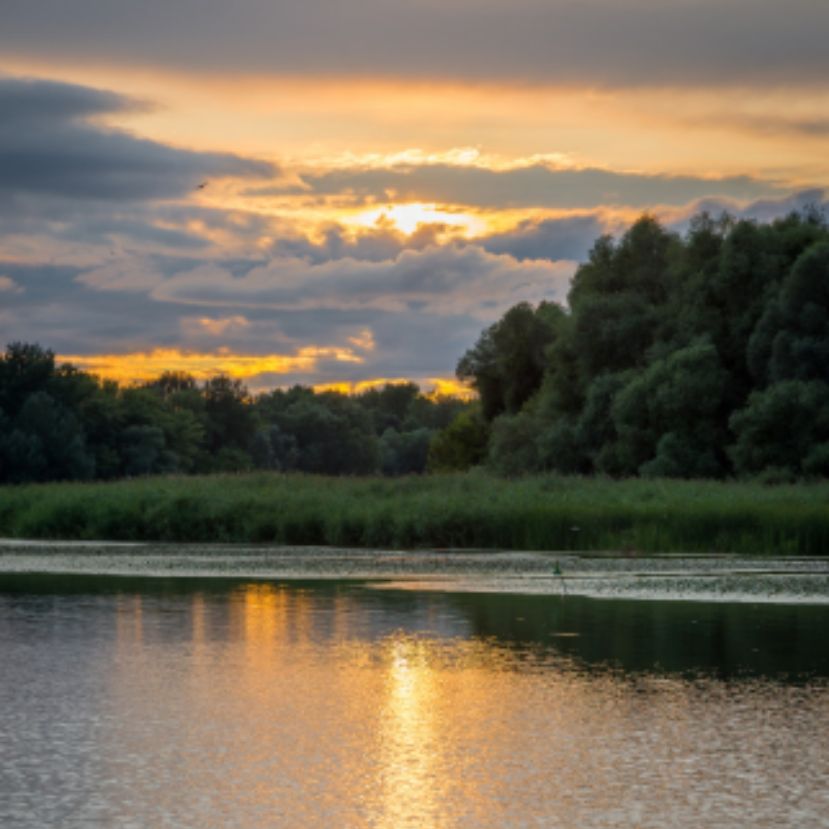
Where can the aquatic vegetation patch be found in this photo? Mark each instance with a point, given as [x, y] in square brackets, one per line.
[464, 510]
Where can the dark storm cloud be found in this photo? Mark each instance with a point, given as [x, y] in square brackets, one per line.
[533, 186]
[49, 148]
[594, 42]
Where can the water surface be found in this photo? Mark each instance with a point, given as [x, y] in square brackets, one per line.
[130, 701]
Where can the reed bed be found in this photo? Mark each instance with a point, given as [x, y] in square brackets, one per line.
[469, 510]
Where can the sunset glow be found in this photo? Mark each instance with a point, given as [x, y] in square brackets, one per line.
[407, 218]
[269, 183]
[433, 387]
[145, 365]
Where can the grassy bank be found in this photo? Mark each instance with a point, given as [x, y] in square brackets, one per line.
[464, 510]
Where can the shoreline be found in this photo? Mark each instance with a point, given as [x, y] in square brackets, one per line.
[671, 577]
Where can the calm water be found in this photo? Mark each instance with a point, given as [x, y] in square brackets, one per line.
[204, 702]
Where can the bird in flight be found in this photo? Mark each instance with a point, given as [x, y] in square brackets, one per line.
[201, 186]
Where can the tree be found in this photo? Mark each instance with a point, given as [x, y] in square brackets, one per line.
[433, 412]
[506, 365]
[170, 382]
[639, 264]
[800, 346]
[404, 453]
[785, 428]
[230, 420]
[333, 434]
[143, 451]
[613, 333]
[390, 405]
[142, 430]
[46, 443]
[596, 435]
[618, 298]
[513, 445]
[275, 449]
[24, 369]
[678, 396]
[460, 445]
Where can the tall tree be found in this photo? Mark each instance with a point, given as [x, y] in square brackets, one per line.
[506, 365]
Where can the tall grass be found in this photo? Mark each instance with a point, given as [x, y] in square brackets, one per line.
[462, 510]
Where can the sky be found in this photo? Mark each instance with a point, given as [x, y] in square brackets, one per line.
[344, 193]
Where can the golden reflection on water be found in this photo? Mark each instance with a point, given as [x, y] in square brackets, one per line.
[197, 622]
[409, 747]
[273, 706]
[128, 621]
[262, 616]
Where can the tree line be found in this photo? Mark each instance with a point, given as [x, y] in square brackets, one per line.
[697, 355]
[701, 355]
[60, 423]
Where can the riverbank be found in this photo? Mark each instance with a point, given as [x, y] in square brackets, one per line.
[672, 577]
[440, 511]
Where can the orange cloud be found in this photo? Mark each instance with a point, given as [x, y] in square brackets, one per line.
[364, 340]
[8, 285]
[359, 386]
[449, 387]
[141, 366]
[216, 327]
[434, 386]
[332, 120]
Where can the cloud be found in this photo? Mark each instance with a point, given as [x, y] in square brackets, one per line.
[572, 237]
[76, 192]
[146, 365]
[372, 244]
[127, 275]
[28, 101]
[586, 42]
[9, 286]
[49, 147]
[569, 237]
[776, 124]
[215, 326]
[453, 279]
[536, 185]
[403, 312]
[74, 318]
[762, 210]
[364, 340]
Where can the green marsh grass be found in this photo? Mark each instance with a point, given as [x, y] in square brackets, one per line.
[458, 510]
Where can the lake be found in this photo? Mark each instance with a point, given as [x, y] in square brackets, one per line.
[421, 699]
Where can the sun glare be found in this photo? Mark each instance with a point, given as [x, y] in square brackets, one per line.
[407, 218]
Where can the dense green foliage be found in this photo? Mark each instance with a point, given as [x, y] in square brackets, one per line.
[704, 355]
[696, 356]
[455, 510]
[58, 423]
